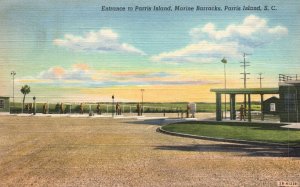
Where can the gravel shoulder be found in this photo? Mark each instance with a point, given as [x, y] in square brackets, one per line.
[47, 151]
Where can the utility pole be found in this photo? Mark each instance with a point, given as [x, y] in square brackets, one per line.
[260, 79]
[245, 65]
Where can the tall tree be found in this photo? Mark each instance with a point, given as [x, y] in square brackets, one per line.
[25, 90]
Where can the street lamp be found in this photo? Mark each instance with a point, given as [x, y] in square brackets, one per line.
[13, 73]
[142, 91]
[113, 103]
[224, 61]
[34, 110]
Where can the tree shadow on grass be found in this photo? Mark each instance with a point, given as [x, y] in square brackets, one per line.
[242, 149]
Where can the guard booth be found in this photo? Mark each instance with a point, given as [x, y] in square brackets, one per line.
[271, 106]
[247, 92]
[289, 99]
[289, 91]
[4, 104]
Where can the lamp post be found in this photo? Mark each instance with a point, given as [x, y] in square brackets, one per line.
[13, 73]
[224, 61]
[34, 110]
[113, 103]
[142, 91]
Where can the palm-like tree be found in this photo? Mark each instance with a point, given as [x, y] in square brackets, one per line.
[25, 90]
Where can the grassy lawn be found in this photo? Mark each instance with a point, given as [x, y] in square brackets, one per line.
[242, 131]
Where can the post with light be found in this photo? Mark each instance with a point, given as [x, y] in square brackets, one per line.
[13, 73]
[224, 61]
[113, 104]
[34, 104]
[142, 108]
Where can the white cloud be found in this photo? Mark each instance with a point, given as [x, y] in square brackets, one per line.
[210, 44]
[202, 51]
[104, 40]
[79, 72]
[252, 32]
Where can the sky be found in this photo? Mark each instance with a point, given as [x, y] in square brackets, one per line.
[72, 50]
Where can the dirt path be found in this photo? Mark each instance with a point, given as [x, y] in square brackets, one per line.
[47, 151]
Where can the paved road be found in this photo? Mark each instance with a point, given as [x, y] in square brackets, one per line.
[48, 151]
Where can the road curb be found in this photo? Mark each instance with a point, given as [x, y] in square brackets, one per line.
[159, 129]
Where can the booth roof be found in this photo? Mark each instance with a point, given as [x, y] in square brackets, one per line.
[247, 91]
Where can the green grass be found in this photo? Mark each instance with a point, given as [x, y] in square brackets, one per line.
[240, 131]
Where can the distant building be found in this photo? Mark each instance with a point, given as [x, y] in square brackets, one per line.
[4, 104]
[271, 106]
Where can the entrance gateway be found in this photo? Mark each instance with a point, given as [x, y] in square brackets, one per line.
[241, 91]
[289, 99]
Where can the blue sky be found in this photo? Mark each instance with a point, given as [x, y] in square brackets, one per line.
[39, 39]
